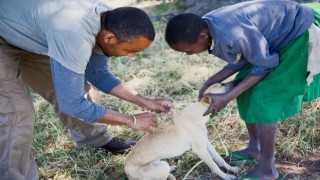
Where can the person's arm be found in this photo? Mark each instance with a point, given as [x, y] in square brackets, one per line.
[143, 121]
[98, 75]
[69, 88]
[126, 93]
[253, 48]
[216, 78]
[219, 101]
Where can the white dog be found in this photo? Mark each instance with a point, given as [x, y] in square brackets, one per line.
[186, 131]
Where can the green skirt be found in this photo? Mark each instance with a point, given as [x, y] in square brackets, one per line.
[281, 93]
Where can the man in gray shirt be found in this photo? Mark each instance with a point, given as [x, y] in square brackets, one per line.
[56, 47]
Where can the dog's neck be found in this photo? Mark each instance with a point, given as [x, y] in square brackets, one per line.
[194, 110]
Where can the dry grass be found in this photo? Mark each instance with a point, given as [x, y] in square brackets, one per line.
[161, 72]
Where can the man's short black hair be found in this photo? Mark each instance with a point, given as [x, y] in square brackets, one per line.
[185, 28]
[128, 23]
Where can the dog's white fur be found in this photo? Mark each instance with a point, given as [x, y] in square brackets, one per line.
[186, 131]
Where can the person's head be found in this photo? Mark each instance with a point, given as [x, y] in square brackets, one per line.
[187, 33]
[125, 31]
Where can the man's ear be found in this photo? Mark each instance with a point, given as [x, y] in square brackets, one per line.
[203, 36]
[109, 38]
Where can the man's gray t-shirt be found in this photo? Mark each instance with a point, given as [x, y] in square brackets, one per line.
[65, 30]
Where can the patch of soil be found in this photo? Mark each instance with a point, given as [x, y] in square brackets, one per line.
[304, 168]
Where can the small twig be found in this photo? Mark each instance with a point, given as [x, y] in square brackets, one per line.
[223, 145]
[193, 167]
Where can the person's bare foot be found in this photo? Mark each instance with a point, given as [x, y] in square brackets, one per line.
[263, 172]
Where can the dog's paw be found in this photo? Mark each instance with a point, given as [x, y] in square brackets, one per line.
[228, 177]
[173, 168]
[235, 169]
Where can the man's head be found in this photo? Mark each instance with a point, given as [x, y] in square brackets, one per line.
[188, 33]
[125, 31]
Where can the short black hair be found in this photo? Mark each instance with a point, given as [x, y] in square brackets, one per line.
[128, 23]
[184, 27]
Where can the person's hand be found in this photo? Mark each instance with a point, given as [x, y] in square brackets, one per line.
[144, 121]
[216, 78]
[205, 86]
[218, 101]
[158, 105]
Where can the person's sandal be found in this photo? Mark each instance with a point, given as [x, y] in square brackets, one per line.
[239, 159]
[118, 146]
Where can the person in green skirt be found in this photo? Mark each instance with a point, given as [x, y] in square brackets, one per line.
[266, 42]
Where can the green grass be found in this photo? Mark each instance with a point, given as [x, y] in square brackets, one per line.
[161, 72]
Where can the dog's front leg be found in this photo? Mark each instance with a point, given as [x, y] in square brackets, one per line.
[203, 154]
[219, 160]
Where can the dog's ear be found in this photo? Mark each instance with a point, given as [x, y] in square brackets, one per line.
[206, 99]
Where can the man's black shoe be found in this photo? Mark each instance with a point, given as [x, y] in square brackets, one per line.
[118, 146]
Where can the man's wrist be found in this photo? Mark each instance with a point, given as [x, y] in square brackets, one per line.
[129, 121]
[116, 118]
[142, 101]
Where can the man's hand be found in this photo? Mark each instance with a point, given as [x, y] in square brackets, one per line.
[144, 121]
[218, 101]
[158, 105]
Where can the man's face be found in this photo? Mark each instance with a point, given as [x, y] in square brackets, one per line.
[128, 48]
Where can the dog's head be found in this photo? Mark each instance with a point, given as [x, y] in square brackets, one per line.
[218, 88]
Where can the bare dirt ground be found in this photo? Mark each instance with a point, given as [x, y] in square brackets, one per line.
[304, 168]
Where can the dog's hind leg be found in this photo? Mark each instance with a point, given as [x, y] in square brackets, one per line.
[155, 170]
[171, 177]
[173, 168]
[204, 155]
[159, 170]
[219, 160]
